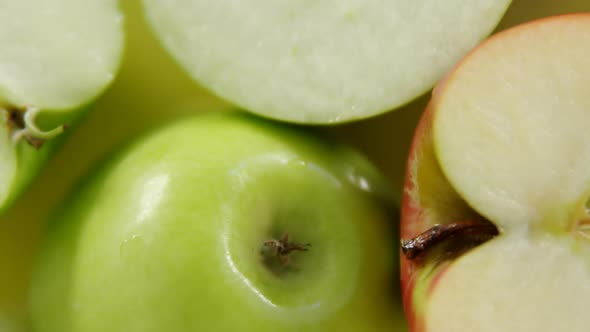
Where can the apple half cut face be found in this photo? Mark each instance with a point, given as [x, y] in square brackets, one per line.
[223, 222]
[55, 56]
[323, 61]
[496, 213]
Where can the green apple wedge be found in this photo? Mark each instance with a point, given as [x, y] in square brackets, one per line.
[327, 61]
[55, 57]
[223, 222]
[496, 207]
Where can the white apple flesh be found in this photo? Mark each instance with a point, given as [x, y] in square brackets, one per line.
[55, 56]
[321, 61]
[510, 134]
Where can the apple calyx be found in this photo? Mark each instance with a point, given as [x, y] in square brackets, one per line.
[281, 249]
[460, 237]
[21, 125]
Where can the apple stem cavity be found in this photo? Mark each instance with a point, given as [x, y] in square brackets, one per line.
[282, 249]
[21, 125]
[475, 232]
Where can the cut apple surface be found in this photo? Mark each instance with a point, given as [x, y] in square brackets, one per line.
[56, 55]
[321, 61]
[504, 142]
[511, 123]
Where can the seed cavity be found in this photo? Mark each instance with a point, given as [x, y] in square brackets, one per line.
[457, 239]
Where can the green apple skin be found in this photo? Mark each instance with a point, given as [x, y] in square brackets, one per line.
[30, 162]
[141, 96]
[168, 237]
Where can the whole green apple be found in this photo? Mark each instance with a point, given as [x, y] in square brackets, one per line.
[223, 222]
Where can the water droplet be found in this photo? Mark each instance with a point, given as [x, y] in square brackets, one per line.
[359, 181]
[298, 162]
[132, 247]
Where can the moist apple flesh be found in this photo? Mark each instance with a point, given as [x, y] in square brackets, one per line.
[322, 61]
[515, 283]
[438, 225]
[510, 133]
[56, 56]
[511, 125]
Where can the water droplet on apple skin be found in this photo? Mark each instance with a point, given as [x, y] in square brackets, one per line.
[359, 181]
[297, 162]
[132, 247]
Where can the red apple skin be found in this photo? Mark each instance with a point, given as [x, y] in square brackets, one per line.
[413, 221]
[428, 200]
[421, 206]
[418, 216]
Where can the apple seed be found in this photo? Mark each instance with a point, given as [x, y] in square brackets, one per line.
[471, 234]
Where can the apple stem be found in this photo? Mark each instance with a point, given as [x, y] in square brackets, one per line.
[282, 248]
[21, 124]
[475, 232]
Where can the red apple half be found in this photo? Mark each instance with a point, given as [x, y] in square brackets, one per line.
[495, 221]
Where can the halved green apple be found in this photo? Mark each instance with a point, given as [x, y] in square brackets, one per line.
[320, 61]
[55, 57]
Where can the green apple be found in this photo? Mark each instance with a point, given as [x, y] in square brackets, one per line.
[147, 90]
[56, 56]
[322, 61]
[223, 222]
[496, 212]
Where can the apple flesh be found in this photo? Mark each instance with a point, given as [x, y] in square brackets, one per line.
[324, 61]
[55, 57]
[504, 142]
[182, 232]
